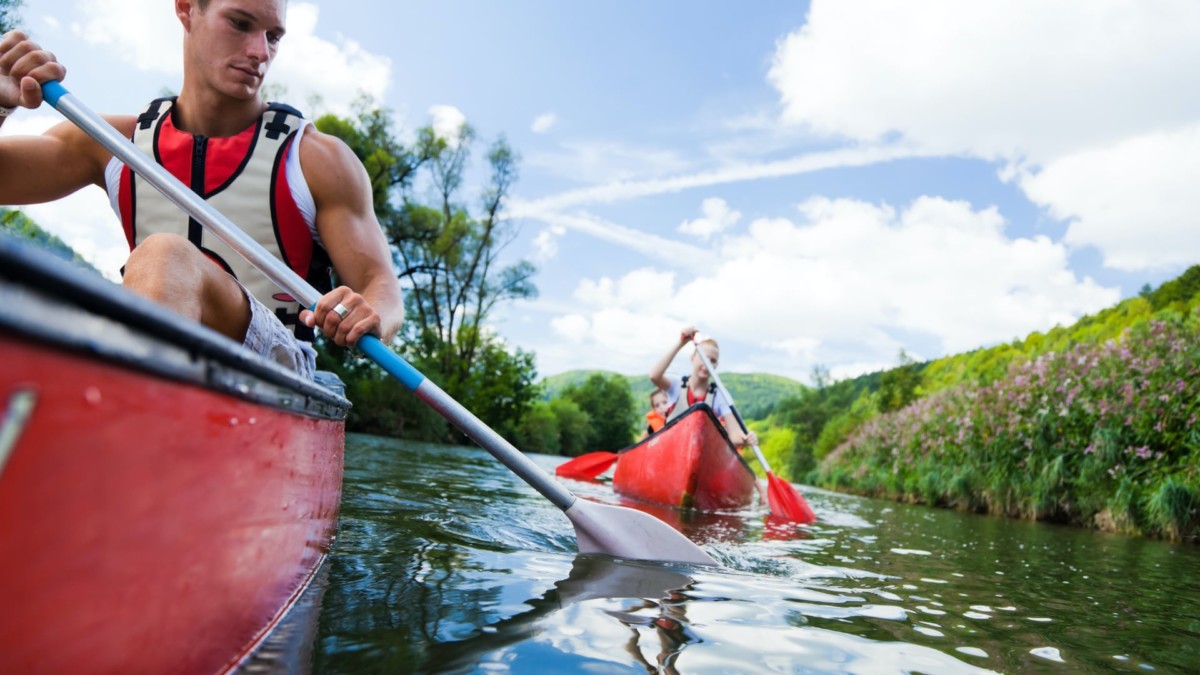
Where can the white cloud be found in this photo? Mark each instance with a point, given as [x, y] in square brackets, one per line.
[1082, 99]
[616, 339]
[545, 244]
[606, 161]
[631, 189]
[992, 78]
[668, 250]
[1136, 201]
[573, 327]
[315, 69]
[447, 122]
[642, 290]
[144, 33]
[848, 282]
[544, 123]
[716, 219]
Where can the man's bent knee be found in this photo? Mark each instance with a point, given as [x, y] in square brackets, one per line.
[162, 254]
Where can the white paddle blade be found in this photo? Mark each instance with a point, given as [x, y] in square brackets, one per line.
[626, 533]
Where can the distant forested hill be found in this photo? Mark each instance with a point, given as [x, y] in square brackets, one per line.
[754, 393]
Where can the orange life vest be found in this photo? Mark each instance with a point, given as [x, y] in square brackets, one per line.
[655, 421]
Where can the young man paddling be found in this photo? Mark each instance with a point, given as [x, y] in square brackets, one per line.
[302, 194]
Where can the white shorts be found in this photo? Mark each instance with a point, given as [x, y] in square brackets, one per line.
[268, 337]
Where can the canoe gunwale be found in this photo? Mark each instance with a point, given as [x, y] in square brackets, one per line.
[52, 302]
[700, 407]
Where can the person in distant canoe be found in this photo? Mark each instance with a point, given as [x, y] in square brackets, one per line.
[660, 405]
[697, 386]
[302, 194]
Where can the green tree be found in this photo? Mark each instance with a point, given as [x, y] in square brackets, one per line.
[538, 430]
[574, 427]
[448, 259]
[451, 258]
[498, 386]
[8, 15]
[609, 406]
[898, 386]
[556, 426]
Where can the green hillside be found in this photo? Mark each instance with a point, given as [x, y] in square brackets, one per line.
[755, 394]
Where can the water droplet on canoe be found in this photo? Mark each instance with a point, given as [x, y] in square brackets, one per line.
[92, 395]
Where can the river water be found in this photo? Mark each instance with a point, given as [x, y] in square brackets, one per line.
[446, 562]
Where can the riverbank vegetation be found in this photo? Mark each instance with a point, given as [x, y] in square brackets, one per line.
[1096, 424]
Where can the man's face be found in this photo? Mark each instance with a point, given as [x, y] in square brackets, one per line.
[233, 42]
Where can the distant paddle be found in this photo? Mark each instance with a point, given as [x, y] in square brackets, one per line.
[587, 467]
[599, 528]
[782, 498]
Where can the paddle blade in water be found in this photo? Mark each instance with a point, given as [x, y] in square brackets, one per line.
[785, 502]
[630, 534]
[587, 467]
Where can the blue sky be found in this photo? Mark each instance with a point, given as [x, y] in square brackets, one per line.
[823, 183]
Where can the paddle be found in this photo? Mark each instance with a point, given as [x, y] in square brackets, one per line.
[782, 498]
[599, 528]
[587, 467]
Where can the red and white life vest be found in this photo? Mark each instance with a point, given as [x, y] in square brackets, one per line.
[710, 397]
[245, 178]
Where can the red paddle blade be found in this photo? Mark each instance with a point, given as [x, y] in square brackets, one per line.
[587, 467]
[785, 502]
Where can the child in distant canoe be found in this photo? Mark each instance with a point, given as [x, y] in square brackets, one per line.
[694, 388]
[656, 419]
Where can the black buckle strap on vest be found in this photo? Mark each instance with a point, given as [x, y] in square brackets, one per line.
[147, 119]
[277, 126]
[687, 393]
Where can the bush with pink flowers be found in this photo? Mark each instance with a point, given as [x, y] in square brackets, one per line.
[1102, 435]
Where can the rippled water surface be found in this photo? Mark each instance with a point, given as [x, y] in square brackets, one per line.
[445, 562]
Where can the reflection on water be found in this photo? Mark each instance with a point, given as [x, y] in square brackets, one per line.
[446, 563]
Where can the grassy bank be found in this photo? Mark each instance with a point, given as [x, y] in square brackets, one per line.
[1100, 435]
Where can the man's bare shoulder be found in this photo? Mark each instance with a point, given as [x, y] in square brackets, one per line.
[330, 165]
[317, 148]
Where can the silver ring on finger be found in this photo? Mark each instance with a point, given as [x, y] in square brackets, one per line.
[341, 310]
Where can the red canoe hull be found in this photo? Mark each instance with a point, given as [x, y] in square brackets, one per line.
[149, 523]
[689, 464]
